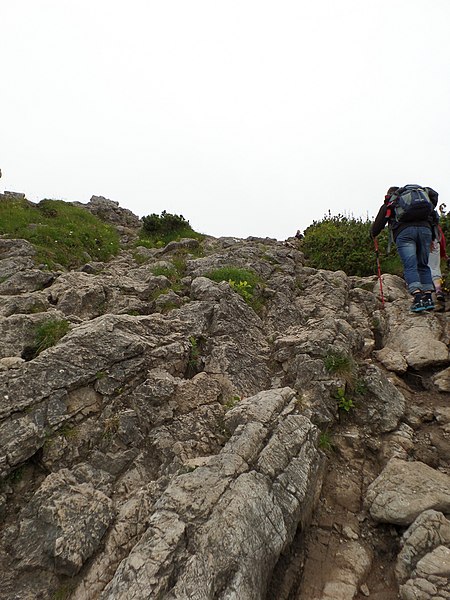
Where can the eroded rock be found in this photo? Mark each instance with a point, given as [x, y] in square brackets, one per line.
[62, 525]
[406, 489]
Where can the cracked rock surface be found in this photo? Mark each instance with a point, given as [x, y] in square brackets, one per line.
[179, 443]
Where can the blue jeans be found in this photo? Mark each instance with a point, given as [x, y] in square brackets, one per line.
[413, 245]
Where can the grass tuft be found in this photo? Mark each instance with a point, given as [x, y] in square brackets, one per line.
[48, 333]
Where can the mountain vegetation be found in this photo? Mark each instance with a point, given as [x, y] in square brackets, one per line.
[61, 232]
[343, 243]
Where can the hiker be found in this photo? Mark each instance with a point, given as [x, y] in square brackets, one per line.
[411, 215]
[438, 251]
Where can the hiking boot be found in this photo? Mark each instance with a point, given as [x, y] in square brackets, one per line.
[427, 301]
[417, 305]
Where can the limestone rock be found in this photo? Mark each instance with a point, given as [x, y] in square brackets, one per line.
[394, 288]
[111, 212]
[169, 442]
[442, 380]
[431, 578]
[419, 341]
[62, 525]
[221, 503]
[405, 489]
[385, 405]
[392, 360]
[15, 255]
[18, 331]
[428, 532]
[11, 362]
[79, 294]
[26, 281]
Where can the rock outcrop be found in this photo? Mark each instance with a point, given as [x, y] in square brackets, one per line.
[180, 442]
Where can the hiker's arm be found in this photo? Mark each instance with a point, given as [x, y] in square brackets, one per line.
[380, 222]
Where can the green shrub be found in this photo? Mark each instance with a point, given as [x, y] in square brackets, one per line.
[345, 402]
[243, 281]
[444, 221]
[61, 232]
[342, 365]
[159, 230]
[344, 243]
[166, 223]
[48, 333]
[234, 274]
[243, 288]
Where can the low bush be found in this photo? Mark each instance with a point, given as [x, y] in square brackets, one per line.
[159, 230]
[344, 243]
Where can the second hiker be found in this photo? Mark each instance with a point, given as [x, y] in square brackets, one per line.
[412, 218]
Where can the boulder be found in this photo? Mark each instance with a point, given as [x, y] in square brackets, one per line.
[404, 490]
[111, 212]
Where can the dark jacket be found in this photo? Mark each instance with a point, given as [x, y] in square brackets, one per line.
[384, 217]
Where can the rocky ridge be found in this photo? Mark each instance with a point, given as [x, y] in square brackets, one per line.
[177, 444]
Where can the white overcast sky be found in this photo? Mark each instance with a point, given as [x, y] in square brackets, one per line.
[248, 117]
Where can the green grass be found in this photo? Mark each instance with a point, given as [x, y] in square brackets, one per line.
[235, 274]
[194, 356]
[62, 234]
[64, 592]
[325, 441]
[339, 363]
[48, 333]
[232, 402]
[342, 365]
[169, 272]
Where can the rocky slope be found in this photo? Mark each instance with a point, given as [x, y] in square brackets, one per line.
[177, 444]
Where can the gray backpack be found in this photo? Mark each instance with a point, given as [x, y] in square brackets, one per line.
[411, 203]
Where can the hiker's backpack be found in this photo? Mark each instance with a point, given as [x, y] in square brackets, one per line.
[411, 203]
